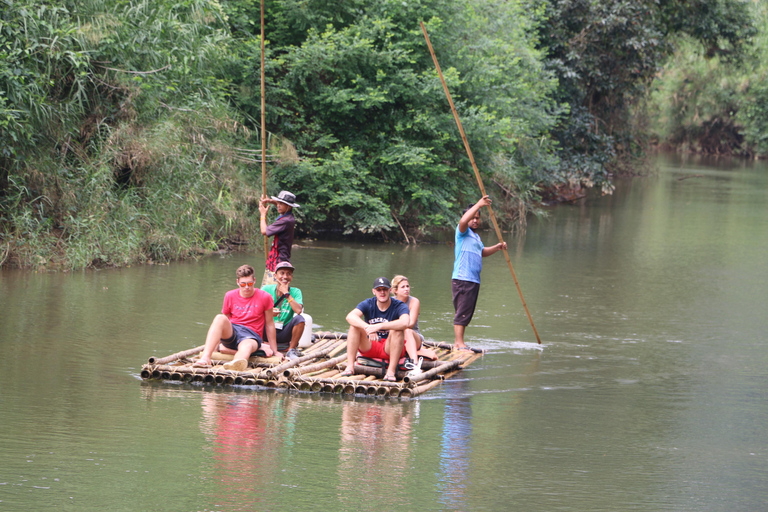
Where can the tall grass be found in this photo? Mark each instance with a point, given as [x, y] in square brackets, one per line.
[117, 142]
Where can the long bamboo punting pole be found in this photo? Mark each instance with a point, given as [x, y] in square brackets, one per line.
[263, 129]
[177, 355]
[477, 175]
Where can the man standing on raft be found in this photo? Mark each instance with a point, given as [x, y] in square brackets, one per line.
[246, 312]
[465, 280]
[376, 328]
[281, 229]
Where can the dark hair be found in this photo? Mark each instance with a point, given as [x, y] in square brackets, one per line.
[468, 208]
[244, 271]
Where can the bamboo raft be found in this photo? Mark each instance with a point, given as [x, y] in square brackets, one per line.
[316, 371]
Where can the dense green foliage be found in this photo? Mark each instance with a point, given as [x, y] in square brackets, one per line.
[606, 54]
[129, 130]
[358, 97]
[115, 133]
[711, 103]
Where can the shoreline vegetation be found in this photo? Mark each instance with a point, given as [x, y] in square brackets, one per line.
[129, 131]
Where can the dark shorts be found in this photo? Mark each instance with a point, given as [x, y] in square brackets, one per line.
[240, 333]
[377, 351]
[464, 300]
[284, 335]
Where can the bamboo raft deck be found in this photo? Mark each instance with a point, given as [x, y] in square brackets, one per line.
[316, 371]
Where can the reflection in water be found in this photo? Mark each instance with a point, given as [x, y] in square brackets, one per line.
[455, 449]
[374, 454]
[246, 434]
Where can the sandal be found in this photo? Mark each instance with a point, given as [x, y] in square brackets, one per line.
[469, 349]
[347, 373]
[198, 364]
[389, 378]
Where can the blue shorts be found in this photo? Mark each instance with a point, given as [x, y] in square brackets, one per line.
[240, 333]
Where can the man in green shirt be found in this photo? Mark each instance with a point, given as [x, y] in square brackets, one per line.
[289, 304]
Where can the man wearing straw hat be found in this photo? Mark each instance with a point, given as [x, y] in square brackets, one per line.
[281, 229]
[465, 280]
[377, 328]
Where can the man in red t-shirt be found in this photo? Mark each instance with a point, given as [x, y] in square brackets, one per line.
[242, 318]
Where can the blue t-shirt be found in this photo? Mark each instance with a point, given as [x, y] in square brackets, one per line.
[373, 315]
[468, 260]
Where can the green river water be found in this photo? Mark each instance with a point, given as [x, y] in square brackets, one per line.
[647, 394]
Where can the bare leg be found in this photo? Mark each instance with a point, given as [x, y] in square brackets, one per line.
[356, 339]
[220, 328]
[411, 346]
[246, 348]
[458, 331]
[394, 347]
[296, 333]
[226, 350]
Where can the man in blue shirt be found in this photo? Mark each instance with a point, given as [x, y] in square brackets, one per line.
[377, 328]
[465, 280]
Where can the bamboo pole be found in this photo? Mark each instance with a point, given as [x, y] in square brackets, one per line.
[434, 371]
[346, 380]
[263, 129]
[479, 179]
[177, 355]
[318, 366]
[323, 335]
[448, 346]
[276, 370]
[414, 392]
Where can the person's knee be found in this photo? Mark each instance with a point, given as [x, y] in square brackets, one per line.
[251, 345]
[355, 332]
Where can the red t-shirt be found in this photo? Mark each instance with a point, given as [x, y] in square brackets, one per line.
[248, 312]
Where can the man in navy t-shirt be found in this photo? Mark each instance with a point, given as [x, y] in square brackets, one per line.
[377, 329]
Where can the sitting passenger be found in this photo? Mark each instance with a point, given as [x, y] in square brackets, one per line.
[401, 290]
[376, 328]
[244, 316]
[289, 304]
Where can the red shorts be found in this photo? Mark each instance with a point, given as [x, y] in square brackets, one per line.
[377, 351]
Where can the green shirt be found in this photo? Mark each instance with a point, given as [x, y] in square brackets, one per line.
[286, 312]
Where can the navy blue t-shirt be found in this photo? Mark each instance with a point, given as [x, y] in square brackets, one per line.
[373, 315]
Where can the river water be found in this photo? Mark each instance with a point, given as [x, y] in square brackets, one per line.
[647, 394]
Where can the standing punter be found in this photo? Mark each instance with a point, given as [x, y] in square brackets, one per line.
[465, 280]
[282, 230]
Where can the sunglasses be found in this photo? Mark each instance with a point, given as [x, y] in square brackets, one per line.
[250, 285]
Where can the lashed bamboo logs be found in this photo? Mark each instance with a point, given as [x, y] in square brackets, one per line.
[277, 370]
[318, 370]
[448, 346]
[434, 371]
[176, 356]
